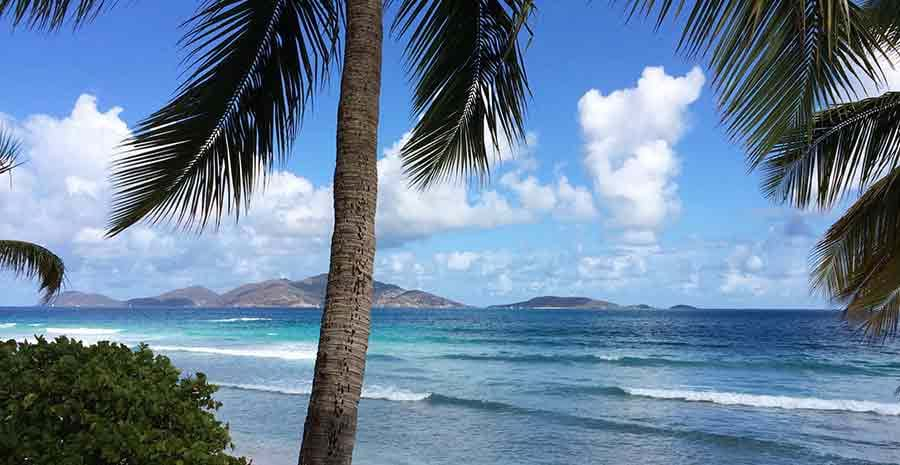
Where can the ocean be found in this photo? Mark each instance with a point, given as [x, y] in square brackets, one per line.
[538, 386]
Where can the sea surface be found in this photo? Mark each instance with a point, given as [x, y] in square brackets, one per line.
[541, 386]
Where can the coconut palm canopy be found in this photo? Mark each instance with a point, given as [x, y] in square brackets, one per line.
[202, 155]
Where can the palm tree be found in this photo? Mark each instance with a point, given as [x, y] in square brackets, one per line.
[788, 74]
[24, 258]
[254, 67]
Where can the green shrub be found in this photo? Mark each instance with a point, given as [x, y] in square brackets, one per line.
[63, 403]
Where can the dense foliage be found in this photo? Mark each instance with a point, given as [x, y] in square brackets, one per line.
[62, 403]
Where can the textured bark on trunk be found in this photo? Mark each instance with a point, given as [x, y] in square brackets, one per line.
[330, 429]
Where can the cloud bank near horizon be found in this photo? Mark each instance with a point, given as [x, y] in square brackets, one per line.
[60, 199]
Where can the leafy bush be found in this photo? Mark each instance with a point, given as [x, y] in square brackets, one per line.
[63, 403]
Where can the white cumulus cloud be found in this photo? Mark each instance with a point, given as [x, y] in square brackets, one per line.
[457, 261]
[563, 199]
[629, 139]
[407, 213]
[61, 197]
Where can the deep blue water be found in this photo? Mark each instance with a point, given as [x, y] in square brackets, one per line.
[539, 387]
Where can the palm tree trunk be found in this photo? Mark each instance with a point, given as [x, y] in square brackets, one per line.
[330, 429]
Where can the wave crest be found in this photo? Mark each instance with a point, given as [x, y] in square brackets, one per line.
[767, 401]
[242, 319]
[369, 392]
[283, 353]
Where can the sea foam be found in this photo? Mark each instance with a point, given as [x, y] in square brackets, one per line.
[235, 320]
[369, 392]
[392, 393]
[7, 325]
[767, 401]
[282, 352]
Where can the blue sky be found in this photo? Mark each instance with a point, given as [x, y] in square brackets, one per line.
[628, 188]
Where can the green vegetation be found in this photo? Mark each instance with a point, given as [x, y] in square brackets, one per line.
[65, 403]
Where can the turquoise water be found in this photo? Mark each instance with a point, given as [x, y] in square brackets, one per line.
[539, 387]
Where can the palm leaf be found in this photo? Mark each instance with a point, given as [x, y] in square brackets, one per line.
[775, 62]
[852, 146]
[52, 14]
[885, 17]
[254, 67]
[470, 84]
[884, 13]
[858, 261]
[33, 261]
[10, 151]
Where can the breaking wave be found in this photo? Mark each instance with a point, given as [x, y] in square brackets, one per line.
[767, 401]
[283, 352]
[369, 392]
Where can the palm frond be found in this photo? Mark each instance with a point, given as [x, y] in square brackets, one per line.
[851, 146]
[858, 261]
[52, 14]
[10, 151]
[885, 18]
[877, 310]
[884, 13]
[33, 261]
[775, 62]
[470, 84]
[254, 67]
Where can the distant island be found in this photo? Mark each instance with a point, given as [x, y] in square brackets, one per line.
[553, 302]
[306, 293]
[310, 293]
[683, 307]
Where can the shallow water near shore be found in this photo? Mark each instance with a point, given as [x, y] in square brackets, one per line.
[540, 386]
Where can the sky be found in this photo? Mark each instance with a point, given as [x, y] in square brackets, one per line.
[627, 188]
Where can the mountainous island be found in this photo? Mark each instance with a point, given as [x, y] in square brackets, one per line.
[310, 293]
[553, 302]
[306, 293]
